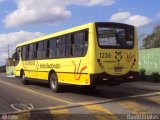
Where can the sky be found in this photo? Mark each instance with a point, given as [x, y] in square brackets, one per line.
[22, 20]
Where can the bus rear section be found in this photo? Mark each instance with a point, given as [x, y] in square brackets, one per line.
[116, 49]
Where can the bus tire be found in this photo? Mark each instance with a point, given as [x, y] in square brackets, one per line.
[23, 78]
[53, 80]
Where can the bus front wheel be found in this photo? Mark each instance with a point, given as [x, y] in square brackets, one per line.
[54, 83]
[23, 78]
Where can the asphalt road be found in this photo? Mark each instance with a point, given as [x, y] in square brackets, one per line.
[105, 103]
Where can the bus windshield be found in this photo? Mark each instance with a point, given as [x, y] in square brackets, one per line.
[115, 36]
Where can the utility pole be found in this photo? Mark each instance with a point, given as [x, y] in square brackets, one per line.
[8, 50]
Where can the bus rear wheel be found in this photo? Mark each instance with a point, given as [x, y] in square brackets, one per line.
[54, 83]
[23, 78]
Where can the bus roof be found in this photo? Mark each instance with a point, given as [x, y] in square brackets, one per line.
[74, 29]
[70, 30]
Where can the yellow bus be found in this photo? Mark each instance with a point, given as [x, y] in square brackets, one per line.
[93, 54]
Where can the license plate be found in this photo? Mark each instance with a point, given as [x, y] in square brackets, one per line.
[118, 69]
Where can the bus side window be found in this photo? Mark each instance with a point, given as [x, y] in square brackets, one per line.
[24, 53]
[68, 45]
[27, 52]
[40, 50]
[85, 42]
[30, 51]
[35, 47]
[58, 46]
[52, 48]
[44, 53]
[72, 45]
[78, 44]
[63, 46]
[47, 49]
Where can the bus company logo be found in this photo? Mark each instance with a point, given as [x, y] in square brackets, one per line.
[77, 72]
[49, 66]
[118, 56]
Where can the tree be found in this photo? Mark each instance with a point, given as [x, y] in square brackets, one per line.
[153, 39]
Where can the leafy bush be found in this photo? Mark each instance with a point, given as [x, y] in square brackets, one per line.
[142, 74]
[155, 77]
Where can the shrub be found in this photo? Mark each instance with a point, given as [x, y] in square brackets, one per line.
[155, 77]
[142, 74]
